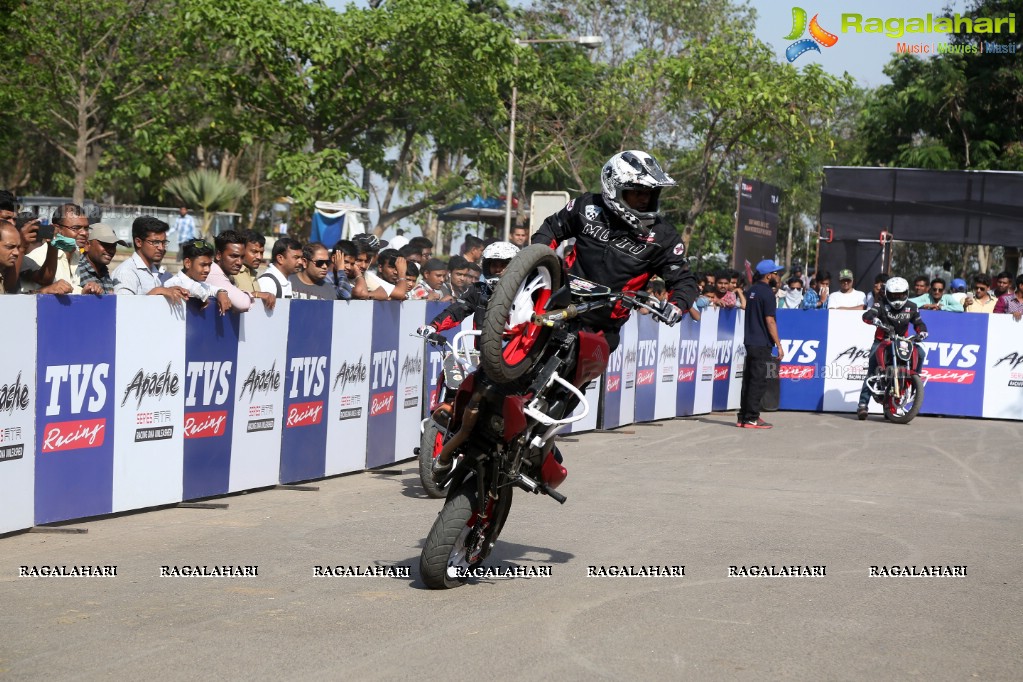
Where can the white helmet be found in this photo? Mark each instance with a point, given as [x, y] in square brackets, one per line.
[496, 251]
[633, 170]
[896, 291]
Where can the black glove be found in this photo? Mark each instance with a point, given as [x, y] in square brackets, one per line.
[921, 336]
[672, 313]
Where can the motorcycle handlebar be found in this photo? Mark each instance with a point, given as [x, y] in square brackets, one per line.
[630, 299]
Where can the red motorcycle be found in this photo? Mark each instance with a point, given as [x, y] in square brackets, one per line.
[897, 383]
[535, 358]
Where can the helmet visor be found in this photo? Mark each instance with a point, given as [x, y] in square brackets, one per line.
[899, 296]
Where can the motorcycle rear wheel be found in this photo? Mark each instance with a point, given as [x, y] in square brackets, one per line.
[429, 447]
[510, 343]
[912, 395]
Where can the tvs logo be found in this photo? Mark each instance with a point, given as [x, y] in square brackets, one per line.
[948, 376]
[688, 352]
[215, 379]
[645, 376]
[350, 372]
[74, 435]
[381, 403]
[151, 385]
[954, 361]
[261, 381]
[14, 396]
[797, 372]
[206, 424]
[305, 414]
[84, 381]
[817, 35]
[800, 352]
[614, 382]
[385, 365]
[647, 351]
[309, 375]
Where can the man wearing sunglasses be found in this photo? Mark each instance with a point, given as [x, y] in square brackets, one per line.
[312, 281]
[980, 300]
[937, 298]
[53, 267]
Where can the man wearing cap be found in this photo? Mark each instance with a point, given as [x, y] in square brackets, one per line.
[93, 270]
[761, 331]
[846, 298]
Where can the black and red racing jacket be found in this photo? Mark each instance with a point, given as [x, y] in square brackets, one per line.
[472, 302]
[602, 248]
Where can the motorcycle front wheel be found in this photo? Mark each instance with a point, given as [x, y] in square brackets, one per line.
[901, 410]
[429, 447]
[510, 343]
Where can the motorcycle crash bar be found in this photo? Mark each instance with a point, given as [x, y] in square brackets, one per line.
[555, 425]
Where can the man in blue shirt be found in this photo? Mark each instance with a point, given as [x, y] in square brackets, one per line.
[184, 225]
[761, 335]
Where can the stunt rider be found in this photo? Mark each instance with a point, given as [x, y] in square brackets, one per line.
[474, 301]
[619, 239]
[894, 310]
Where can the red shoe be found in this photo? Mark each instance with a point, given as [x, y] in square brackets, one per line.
[758, 424]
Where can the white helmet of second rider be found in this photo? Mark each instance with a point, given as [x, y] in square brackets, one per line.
[498, 251]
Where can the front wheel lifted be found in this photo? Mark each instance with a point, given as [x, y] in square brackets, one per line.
[510, 343]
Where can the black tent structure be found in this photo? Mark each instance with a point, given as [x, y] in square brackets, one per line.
[864, 209]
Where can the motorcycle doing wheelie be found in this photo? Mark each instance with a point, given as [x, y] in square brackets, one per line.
[535, 357]
[456, 363]
[897, 384]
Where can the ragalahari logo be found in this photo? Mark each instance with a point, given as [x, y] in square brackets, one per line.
[817, 35]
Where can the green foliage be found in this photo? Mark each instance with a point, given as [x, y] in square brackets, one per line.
[207, 190]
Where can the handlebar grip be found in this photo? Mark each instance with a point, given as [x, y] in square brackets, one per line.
[555, 495]
[436, 339]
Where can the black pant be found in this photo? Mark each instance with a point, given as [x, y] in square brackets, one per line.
[754, 382]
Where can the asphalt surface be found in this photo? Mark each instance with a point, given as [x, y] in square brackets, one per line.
[818, 490]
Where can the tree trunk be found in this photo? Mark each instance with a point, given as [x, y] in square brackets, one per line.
[254, 191]
[81, 147]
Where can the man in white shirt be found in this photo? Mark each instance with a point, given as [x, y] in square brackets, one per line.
[846, 298]
[140, 274]
[198, 258]
[185, 227]
[286, 258]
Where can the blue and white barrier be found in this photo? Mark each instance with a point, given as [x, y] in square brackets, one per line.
[119, 403]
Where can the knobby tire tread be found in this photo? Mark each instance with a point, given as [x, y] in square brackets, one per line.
[457, 511]
[426, 461]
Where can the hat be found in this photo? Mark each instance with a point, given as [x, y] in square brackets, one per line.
[958, 284]
[104, 234]
[768, 266]
[845, 274]
[372, 242]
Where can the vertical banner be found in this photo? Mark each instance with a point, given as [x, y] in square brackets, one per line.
[383, 387]
[304, 440]
[688, 356]
[1003, 380]
[756, 223]
[724, 349]
[211, 353]
[646, 368]
[667, 371]
[848, 352]
[348, 411]
[259, 404]
[955, 362]
[738, 361]
[410, 398]
[708, 355]
[803, 335]
[619, 380]
[18, 397]
[149, 403]
[75, 407]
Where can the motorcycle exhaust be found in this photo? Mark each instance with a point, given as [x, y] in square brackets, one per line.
[472, 412]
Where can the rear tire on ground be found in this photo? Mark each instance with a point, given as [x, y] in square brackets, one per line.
[916, 385]
[429, 447]
[445, 545]
[510, 344]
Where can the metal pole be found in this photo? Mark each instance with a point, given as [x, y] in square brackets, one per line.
[510, 182]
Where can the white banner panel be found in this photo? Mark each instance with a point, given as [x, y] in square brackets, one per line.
[629, 342]
[411, 361]
[17, 415]
[592, 393]
[1003, 381]
[738, 361]
[848, 352]
[149, 402]
[350, 357]
[667, 372]
[260, 383]
[706, 362]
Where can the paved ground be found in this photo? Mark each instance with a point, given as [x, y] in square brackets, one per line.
[817, 490]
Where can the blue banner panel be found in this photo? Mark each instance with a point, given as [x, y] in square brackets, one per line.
[611, 416]
[646, 369]
[211, 359]
[723, 364]
[804, 336]
[383, 384]
[956, 357]
[75, 407]
[304, 440]
[434, 358]
[688, 355]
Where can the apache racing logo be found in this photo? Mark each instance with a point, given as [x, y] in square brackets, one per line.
[1013, 361]
[357, 374]
[13, 397]
[86, 386]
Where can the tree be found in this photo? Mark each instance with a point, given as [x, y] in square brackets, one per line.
[207, 190]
